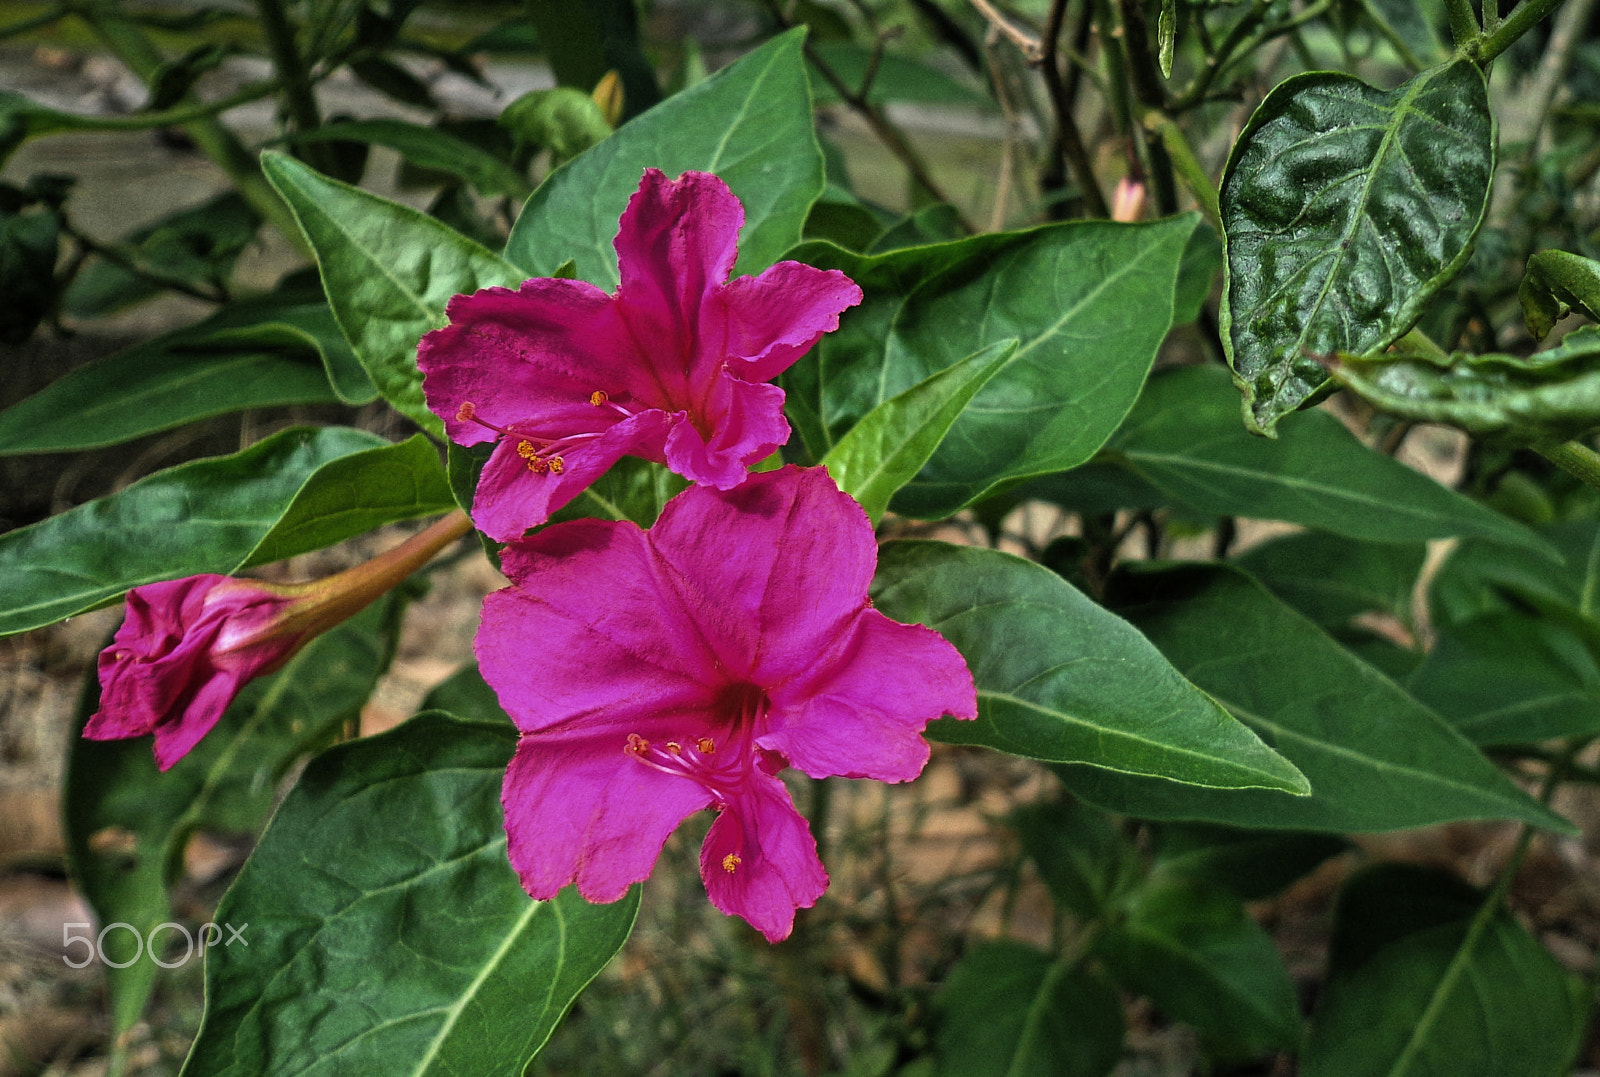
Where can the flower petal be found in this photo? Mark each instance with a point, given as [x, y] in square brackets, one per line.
[860, 713]
[773, 568]
[510, 499]
[676, 242]
[771, 320]
[747, 424]
[759, 860]
[578, 809]
[595, 636]
[530, 356]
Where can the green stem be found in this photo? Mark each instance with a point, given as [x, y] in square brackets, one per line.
[299, 100]
[1523, 18]
[1573, 457]
[1214, 64]
[37, 22]
[172, 117]
[1186, 164]
[1423, 343]
[111, 24]
[1464, 29]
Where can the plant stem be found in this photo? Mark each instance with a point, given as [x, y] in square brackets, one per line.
[1186, 164]
[1068, 139]
[1464, 29]
[1523, 18]
[124, 38]
[299, 100]
[1214, 64]
[1573, 457]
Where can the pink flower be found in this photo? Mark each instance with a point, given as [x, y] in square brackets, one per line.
[186, 647]
[655, 673]
[184, 650]
[674, 367]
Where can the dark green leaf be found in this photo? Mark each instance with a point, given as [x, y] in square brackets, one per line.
[1417, 986]
[392, 80]
[1007, 1010]
[1196, 953]
[1344, 209]
[428, 148]
[895, 78]
[584, 40]
[1061, 679]
[388, 932]
[1054, 289]
[1376, 758]
[1555, 284]
[171, 82]
[1184, 437]
[220, 365]
[633, 489]
[204, 516]
[1331, 579]
[887, 448]
[1250, 864]
[1202, 261]
[127, 823]
[467, 695]
[1510, 678]
[936, 224]
[750, 123]
[1079, 853]
[28, 243]
[1408, 27]
[1480, 577]
[388, 271]
[1550, 394]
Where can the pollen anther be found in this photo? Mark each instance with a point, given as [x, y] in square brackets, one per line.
[467, 412]
[731, 862]
[706, 745]
[599, 397]
[557, 465]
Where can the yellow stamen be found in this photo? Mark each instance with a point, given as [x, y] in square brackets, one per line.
[466, 412]
[706, 745]
[674, 747]
[636, 744]
[557, 465]
[526, 450]
[598, 397]
[731, 862]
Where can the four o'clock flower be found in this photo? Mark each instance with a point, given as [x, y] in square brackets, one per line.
[186, 647]
[673, 367]
[655, 673]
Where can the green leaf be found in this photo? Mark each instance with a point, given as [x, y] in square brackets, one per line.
[1550, 394]
[1167, 35]
[1344, 210]
[426, 147]
[895, 78]
[1332, 579]
[750, 123]
[632, 489]
[127, 824]
[1508, 678]
[1250, 864]
[1061, 679]
[1196, 953]
[887, 448]
[1184, 437]
[356, 494]
[1555, 284]
[1079, 853]
[205, 516]
[1089, 303]
[1407, 25]
[226, 363]
[1416, 986]
[467, 695]
[1479, 577]
[388, 932]
[1375, 757]
[388, 271]
[1007, 1009]
[28, 246]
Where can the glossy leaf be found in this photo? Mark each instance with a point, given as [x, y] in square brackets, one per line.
[127, 824]
[1555, 284]
[750, 123]
[1332, 579]
[1089, 303]
[228, 362]
[1510, 678]
[388, 271]
[1550, 394]
[388, 932]
[427, 147]
[1196, 953]
[1376, 758]
[1415, 989]
[1007, 1009]
[1184, 437]
[1062, 679]
[887, 448]
[355, 494]
[1250, 864]
[205, 516]
[1344, 210]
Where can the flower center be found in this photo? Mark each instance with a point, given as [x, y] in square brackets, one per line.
[544, 455]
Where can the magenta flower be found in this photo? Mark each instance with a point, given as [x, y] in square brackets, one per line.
[655, 673]
[674, 367]
[186, 647]
[184, 650]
